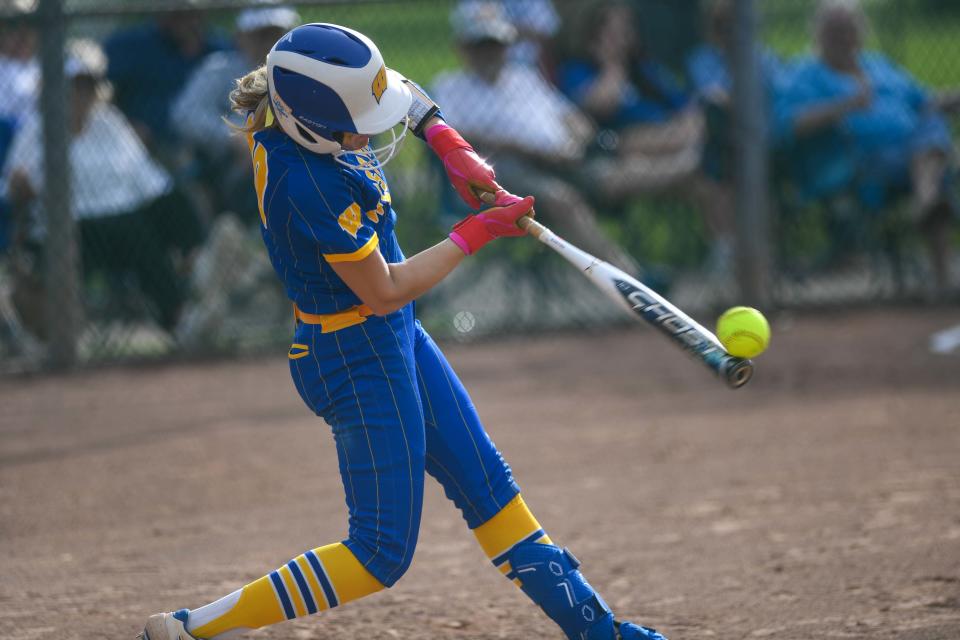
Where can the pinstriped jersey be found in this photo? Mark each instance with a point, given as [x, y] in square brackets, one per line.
[313, 212]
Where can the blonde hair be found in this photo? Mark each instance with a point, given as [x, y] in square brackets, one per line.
[250, 97]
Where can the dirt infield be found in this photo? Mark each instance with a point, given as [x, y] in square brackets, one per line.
[822, 501]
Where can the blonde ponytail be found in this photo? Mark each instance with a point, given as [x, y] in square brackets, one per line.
[251, 98]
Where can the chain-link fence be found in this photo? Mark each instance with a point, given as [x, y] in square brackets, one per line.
[812, 167]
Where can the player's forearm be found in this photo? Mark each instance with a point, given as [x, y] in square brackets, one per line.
[415, 276]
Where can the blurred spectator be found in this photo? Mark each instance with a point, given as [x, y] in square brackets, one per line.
[130, 220]
[649, 123]
[860, 123]
[148, 66]
[708, 65]
[711, 76]
[536, 22]
[19, 86]
[199, 110]
[652, 131]
[669, 29]
[532, 134]
[19, 75]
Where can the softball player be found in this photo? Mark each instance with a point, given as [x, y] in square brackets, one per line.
[360, 359]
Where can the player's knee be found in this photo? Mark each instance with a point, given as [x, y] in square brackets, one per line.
[387, 554]
[400, 566]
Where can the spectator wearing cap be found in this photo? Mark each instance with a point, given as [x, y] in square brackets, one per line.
[536, 23]
[198, 112]
[131, 220]
[148, 66]
[529, 130]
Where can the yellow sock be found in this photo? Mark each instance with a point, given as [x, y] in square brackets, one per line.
[314, 581]
[512, 525]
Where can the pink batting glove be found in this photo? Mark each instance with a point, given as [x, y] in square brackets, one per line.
[500, 221]
[467, 171]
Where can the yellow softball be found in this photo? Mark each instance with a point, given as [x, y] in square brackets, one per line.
[743, 331]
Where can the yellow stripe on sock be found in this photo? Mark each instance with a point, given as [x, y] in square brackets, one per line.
[350, 580]
[257, 607]
[318, 595]
[512, 524]
[293, 590]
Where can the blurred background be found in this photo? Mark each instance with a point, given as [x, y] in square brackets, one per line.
[787, 154]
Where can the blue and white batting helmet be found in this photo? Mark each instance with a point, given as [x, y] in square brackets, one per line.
[325, 79]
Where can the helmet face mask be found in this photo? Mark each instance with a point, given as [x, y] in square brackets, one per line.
[324, 79]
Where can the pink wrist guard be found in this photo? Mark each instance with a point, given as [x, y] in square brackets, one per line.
[443, 139]
[470, 234]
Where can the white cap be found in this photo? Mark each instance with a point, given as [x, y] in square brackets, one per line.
[475, 21]
[283, 18]
[84, 57]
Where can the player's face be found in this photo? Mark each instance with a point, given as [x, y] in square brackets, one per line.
[354, 141]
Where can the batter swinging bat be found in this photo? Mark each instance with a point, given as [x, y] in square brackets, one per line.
[647, 304]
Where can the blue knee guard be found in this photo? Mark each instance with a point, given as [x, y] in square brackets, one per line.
[550, 578]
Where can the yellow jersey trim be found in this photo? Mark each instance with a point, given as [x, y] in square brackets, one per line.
[334, 321]
[357, 255]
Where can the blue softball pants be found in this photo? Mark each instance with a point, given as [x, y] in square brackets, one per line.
[397, 409]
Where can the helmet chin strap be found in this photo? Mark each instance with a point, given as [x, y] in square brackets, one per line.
[380, 155]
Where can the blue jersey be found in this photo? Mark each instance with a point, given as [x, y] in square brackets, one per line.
[315, 211]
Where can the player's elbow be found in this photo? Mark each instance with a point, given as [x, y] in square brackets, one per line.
[382, 308]
[384, 302]
[375, 283]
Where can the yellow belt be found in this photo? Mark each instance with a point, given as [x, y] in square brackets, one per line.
[330, 322]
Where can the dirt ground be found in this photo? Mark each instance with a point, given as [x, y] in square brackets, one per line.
[822, 501]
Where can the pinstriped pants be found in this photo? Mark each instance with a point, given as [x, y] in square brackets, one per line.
[397, 409]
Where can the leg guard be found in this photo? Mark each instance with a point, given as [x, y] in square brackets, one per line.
[550, 578]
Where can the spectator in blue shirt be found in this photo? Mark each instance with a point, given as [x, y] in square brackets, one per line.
[148, 66]
[711, 76]
[612, 77]
[652, 129]
[708, 66]
[19, 86]
[859, 122]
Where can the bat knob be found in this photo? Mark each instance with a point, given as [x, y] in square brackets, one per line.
[739, 373]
